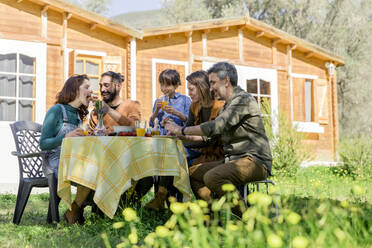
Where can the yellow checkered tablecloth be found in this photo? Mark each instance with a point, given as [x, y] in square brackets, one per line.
[107, 164]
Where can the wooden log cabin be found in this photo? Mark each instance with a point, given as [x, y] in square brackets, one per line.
[42, 42]
[295, 76]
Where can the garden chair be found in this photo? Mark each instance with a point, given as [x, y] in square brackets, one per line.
[33, 170]
[255, 186]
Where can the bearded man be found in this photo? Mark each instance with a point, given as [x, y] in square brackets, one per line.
[120, 112]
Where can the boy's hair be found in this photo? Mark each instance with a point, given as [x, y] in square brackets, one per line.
[170, 77]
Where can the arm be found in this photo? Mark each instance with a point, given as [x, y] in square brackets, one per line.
[51, 126]
[239, 109]
[177, 130]
[155, 112]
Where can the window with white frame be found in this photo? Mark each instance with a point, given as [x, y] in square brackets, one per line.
[260, 89]
[17, 87]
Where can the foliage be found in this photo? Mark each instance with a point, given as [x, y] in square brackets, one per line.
[287, 148]
[300, 223]
[302, 194]
[341, 26]
[177, 11]
[97, 6]
[356, 155]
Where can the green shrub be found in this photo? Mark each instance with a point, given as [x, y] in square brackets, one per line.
[356, 155]
[301, 223]
[286, 146]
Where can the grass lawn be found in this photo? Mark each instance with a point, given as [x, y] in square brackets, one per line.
[305, 191]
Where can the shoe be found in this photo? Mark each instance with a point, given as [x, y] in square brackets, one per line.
[159, 200]
[72, 216]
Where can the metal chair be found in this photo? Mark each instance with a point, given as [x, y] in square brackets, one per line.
[32, 169]
[255, 186]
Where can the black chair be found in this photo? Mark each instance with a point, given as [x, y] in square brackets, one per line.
[33, 169]
[255, 186]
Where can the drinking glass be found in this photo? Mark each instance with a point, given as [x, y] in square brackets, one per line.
[164, 101]
[140, 128]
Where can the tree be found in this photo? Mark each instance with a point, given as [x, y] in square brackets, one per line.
[341, 26]
[97, 6]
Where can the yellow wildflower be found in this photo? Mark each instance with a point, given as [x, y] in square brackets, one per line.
[118, 225]
[162, 231]
[300, 242]
[274, 240]
[178, 207]
[129, 214]
[228, 187]
[293, 218]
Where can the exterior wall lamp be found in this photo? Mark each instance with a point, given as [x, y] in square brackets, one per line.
[331, 68]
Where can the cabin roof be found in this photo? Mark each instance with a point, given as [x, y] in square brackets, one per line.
[93, 19]
[252, 24]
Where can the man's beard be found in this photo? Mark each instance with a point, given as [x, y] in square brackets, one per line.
[111, 97]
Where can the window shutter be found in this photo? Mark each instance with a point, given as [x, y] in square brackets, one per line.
[112, 63]
[71, 61]
[322, 101]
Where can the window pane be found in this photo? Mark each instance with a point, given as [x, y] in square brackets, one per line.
[7, 85]
[252, 86]
[79, 67]
[92, 68]
[7, 110]
[308, 102]
[94, 84]
[8, 62]
[26, 64]
[26, 86]
[25, 110]
[265, 105]
[264, 87]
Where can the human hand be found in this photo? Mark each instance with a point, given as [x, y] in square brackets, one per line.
[170, 110]
[166, 120]
[173, 128]
[158, 105]
[77, 132]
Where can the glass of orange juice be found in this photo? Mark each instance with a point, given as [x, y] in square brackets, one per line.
[140, 128]
[164, 101]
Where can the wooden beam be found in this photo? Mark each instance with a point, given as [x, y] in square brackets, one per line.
[45, 8]
[18, 1]
[275, 41]
[206, 31]
[188, 34]
[309, 54]
[205, 47]
[67, 15]
[259, 34]
[224, 29]
[93, 26]
[241, 47]
[274, 55]
[241, 27]
[289, 70]
[238, 62]
[293, 46]
[189, 48]
[44, 21]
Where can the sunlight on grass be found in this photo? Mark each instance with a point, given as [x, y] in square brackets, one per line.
[314, 192]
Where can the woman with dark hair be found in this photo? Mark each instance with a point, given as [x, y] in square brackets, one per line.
[203, 108]
[63, 120]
